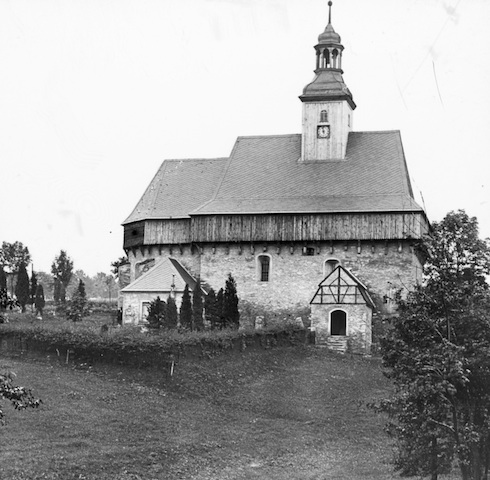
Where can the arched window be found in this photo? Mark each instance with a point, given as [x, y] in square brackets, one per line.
[330, 265]
[323, 116]
[338, 323]
[264, 264]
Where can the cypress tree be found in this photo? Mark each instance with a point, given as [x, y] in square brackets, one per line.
[172, 316]
[197, 307]
[22, 287]
[39, 301]
[33, 287]
[210, 308]
[230, 303]
[56, 291]
[186, 309]
[220, 299]
[77, 309]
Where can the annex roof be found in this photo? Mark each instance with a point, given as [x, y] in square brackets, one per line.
[161, 276]
[264, 174]
[178, 187]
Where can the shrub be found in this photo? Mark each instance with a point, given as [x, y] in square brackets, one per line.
[77, 308]
[156, 313]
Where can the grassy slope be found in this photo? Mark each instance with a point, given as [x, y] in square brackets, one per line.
[277, 414]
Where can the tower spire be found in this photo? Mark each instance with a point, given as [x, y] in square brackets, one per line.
[327, 102]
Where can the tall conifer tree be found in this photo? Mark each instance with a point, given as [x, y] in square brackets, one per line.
[197, 307]
[186, 309]
[33, 287]
[230, 303]
[22, 286]
[172, 316]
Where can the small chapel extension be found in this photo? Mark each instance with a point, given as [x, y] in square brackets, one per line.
[283, 212]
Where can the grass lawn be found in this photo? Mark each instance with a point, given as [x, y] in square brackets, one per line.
[284, 413]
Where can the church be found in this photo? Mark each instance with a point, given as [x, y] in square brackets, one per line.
[324, 219]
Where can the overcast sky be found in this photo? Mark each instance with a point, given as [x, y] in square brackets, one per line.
[95, 94]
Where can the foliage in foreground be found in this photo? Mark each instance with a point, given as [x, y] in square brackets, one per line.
[20, 397]
[438, 355]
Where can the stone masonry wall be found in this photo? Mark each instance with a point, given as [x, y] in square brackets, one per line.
[294, 277]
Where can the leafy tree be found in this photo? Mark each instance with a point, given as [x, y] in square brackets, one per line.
[20, 397]
[171, 318]
[62, 270]
[77, 308]
[22, 287]
[437, 355]
[118, 263]
[3, 279]
[156, 313]
[13, 254]
[212, 313]
[197, 307]
[39, 301]
[33, 288]
[230, 303]
[186, 309]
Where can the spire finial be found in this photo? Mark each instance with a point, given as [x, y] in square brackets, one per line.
[330, 12]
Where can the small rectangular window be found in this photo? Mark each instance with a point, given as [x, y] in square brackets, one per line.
[308, 251]
[264, 268]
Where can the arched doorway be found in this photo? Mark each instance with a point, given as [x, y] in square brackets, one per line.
[338, 323]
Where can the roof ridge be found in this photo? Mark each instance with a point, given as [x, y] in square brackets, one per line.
[280, 135]
[193, 159]
[377, 131]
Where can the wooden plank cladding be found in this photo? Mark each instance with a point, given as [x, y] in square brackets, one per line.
[270, 228]
[168, 231]
[276, 228]
[157, 232]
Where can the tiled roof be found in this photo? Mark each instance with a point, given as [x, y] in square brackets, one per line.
[178, 187]
[161, 276]
[264, 175]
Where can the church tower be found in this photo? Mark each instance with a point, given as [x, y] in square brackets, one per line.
[327, 102]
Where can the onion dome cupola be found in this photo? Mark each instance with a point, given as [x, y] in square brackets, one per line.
[327, 102]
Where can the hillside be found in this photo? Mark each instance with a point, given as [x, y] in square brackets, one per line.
[280, 413]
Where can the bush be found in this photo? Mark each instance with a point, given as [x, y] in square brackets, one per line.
[77, 308]
[156, 313]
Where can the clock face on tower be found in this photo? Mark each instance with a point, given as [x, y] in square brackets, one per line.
[323, 131]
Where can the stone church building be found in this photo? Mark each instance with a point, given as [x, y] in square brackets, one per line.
[324, 218]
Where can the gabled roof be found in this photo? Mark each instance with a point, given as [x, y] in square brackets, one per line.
[341, 286]
[161, 276]
[264, 175]
[178, 187]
